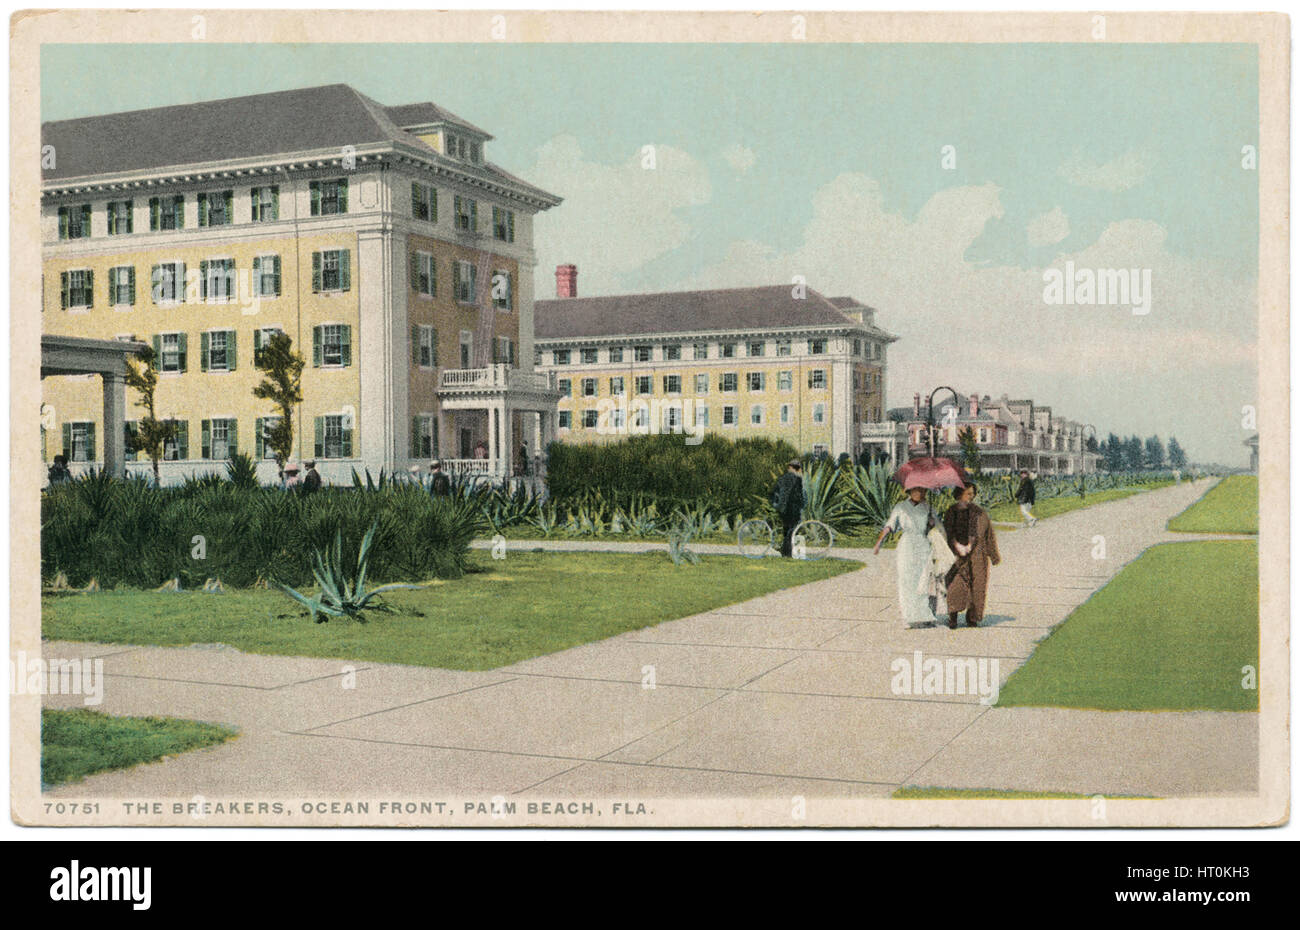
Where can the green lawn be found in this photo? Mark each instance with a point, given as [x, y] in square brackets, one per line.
[1055, 506]
[918, 793]
[1171, 631]
[525, 605]
[76, 743]
[1231, 506]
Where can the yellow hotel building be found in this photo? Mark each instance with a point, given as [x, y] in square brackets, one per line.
[782, 362]
[380, 238]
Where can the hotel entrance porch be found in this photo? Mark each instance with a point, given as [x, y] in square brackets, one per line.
[488, 415]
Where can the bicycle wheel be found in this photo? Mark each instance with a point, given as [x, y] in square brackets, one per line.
[754, 538]
[812, 540]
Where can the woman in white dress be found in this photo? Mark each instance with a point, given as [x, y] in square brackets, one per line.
[914, 518]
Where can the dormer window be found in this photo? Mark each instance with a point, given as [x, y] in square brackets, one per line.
[456, 146]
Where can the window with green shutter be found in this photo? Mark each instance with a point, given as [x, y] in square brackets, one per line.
[121, 286]
[265, 203]
[331, 270]
[119, 217]
[329, 197]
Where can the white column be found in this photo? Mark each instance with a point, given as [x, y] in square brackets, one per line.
[114, 424]
[382, 351]
[507, 439]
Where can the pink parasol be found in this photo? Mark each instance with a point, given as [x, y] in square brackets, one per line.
[932, 473]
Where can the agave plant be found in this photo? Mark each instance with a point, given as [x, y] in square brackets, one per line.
[341, 593]
[679, 538]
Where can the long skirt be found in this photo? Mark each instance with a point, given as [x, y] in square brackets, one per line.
[913, 564]
[968, 585]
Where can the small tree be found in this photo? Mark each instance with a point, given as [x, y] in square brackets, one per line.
[282, 386]
[152, 433]
[1154, 454]
[1177, 457]
[970, 450]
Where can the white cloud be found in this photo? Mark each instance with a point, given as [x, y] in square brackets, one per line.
[739, 157]
[1048, 229]
[1119, 174]
[615, 218]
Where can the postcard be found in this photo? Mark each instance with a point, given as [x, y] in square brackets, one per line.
[530, 419]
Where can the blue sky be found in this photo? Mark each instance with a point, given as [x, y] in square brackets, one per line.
[770, 156]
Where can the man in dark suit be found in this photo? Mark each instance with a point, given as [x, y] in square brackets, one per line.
[787, 498]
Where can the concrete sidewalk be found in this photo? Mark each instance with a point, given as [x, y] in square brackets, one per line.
[786, 694]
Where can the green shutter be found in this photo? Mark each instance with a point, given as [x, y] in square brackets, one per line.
[67, 440]
[203, 274]
[343, 196]
[345, 270]
[415, 345]
[205, 443]
[259, 441]
[229, 198]
[473, 216]
[510, 225]
[90, 288]
[257, 275]
[157, 351]
[415, 200]
[433, 347]
[347, 436]
[182, 341]
[455, 279]
[112, 286]
[315, 272]
[130, 283]
[232, 438]
[275, 205]
[433, 204]
[203, 218]
[315, 198]
[257, 345]
[85, 222]
[181, 286]
[415, 437]
[232, 351]
[204, 344]
[90, 442]
[433, 276]
[155, 214]
[345, 346]
[315, 346]
[182, 439]
[63, 290]
[320, 437]
[178, 208]
[275, 270]
[255, 201]
[415, 271]
[130, 216]
[63, 222]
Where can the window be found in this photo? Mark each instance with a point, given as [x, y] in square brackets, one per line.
[561, 356]
[819, 413]
[565, 386]
[565, 419]
[216, 208]
[425, 340]
[701, 384]
[119, 217]
[728, 415]
[424, 279]
[466, 213]
[816, 346]
[672, 384]
[466, 348]
[727, 382]
[79, 441]
[77, 289]
[643, 353]
[74, 222]
[785, 413]
[329, 197]
[331, 346]
[590, 418]
[672, 418]
[166, 213]
[616, 355]
[672, 353]
[331, 271]
[217, 352]
[984, 435]
[616, 386]
[503, 224]
[616, 418]
[169, 349]
[785, 381]
[465, 282]
[262, 339]
[503, 292]
[701, 416]
[503, 351]
[334, 436]
[756, 415]
[817, 379]
[265, 202]
[756, 349]
[857, 346]
[176, 447]
[701, 350]
[424, 433]
[644, 384]
[588, 356]
[783, 347]
[121, 286]
[588, 387]
[217, 279]
[219, 442]
[266, 276]
[424, 202]
[727, 350]
[757, 380]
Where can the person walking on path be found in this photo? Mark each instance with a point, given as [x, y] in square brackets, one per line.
[787, 499]
[914, 518]
[439, 483]
[311, 479]
[971, 538]
[1025, 497]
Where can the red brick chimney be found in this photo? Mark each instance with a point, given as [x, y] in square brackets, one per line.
[566, 280]
[916, 404]
[974, 404]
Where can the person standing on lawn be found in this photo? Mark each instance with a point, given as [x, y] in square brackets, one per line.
[787, 499]
[1025, 497]
[971, 538]
[439, 483]
[311, 478]
[913, 518]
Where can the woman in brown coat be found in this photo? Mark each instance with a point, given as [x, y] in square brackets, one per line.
[970, 536]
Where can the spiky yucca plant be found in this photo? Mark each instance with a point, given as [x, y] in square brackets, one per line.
[342, 594]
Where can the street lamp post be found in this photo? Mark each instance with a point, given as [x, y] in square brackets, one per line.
[929, 416]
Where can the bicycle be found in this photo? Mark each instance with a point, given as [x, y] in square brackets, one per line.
[811, 540]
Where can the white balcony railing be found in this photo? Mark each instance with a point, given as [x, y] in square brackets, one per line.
[495, 377]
